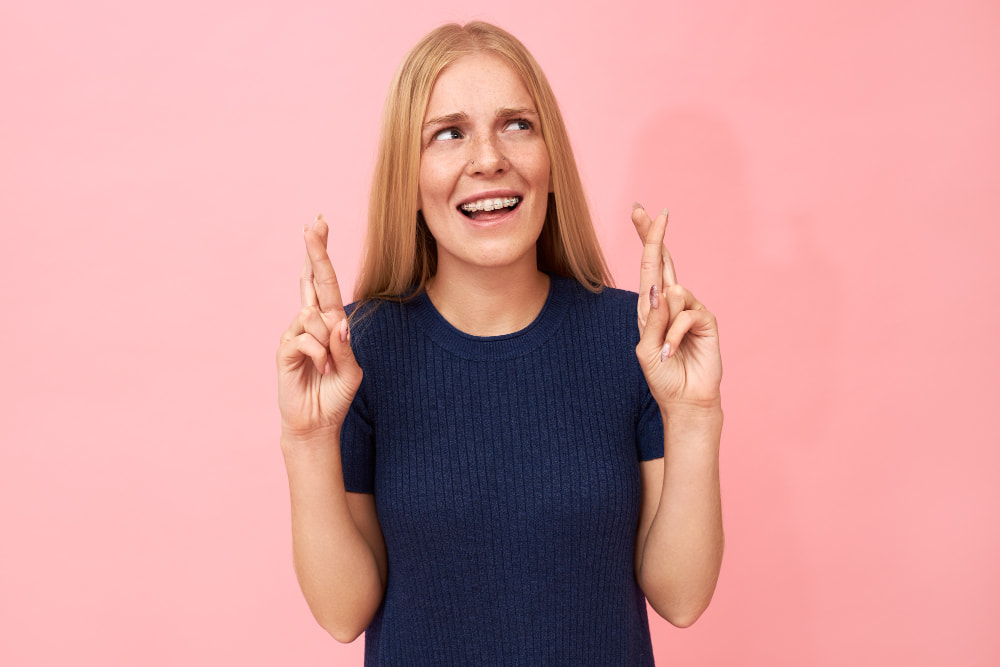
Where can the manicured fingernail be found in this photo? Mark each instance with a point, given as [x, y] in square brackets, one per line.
[654, 298]
[666, 212]
[636, 205]
[319, 217]
[343, 331]
[665, 352]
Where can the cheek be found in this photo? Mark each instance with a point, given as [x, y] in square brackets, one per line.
[542, 177]
[539, 169]
[432, 187]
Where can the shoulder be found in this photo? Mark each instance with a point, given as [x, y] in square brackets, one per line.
[613, 298]
[611, 306]
[606, 297]
[374, 323]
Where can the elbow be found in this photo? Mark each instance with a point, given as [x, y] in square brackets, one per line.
[680, 614]
[679, 606]
[343, 632]
[344, 636]
[683, 618]
[343, 619]
[344, 627]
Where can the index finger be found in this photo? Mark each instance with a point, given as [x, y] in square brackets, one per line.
[324, 277]
[669, 274]
[307, 291]
[649, 266]
[650, 271]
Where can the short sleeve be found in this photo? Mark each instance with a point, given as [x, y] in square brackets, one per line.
[357, 446]
[649, 430]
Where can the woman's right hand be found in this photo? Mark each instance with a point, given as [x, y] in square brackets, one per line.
[317, 373]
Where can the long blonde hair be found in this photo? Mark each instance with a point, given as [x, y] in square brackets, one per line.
[400, 253]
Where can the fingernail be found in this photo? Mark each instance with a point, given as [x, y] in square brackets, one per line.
[654, 298]
[666, 212]
[343, 331]
[665, 352]
[636, 205]
[305, 228]
[326, 369]
[319, 217]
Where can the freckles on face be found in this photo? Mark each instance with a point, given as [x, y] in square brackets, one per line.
[484, 165]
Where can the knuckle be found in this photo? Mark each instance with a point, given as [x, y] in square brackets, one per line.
[690, 319]
[310, 346]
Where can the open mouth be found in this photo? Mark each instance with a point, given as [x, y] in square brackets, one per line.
[479, 209]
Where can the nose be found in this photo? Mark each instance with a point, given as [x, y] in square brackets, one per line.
[485, 157]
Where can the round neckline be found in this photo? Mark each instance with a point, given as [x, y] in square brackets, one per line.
[504, 346]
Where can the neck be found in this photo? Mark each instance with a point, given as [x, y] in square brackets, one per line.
[489, 301]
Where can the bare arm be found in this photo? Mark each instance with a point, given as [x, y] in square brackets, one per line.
[337, 543]
[338, 548]
[680, 539]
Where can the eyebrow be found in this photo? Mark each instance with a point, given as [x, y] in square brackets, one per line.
[508, 112]
[459, 116]
[456, 117]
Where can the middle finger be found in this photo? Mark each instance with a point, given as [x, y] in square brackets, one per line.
[651, 268]
[324, 277]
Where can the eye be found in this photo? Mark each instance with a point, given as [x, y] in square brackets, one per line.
[448, 134]
[518, 124]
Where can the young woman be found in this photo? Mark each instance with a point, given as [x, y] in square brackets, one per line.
[489, 462]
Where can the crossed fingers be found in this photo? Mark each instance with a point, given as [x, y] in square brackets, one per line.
[319, 285]
[322, 305]
[656, 267]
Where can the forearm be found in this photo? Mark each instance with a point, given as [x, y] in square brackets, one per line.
[337, 567]
[679, 563]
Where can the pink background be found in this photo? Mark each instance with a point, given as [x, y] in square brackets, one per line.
[833, 175]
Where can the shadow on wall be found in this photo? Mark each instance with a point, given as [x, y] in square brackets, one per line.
[759, 267]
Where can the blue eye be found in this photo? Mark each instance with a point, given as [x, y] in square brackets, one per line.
[445, 135]
[519, 124]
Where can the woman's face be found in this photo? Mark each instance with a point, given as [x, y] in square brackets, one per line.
[484, 166]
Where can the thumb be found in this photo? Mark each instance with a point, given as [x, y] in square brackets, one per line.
[651, 341]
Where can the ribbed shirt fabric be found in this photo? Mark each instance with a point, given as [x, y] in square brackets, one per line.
[506, 478]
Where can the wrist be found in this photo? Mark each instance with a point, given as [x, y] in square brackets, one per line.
[295, 440]
[686, 410]
[686, 420]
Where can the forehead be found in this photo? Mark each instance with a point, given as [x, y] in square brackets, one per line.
[477, 82]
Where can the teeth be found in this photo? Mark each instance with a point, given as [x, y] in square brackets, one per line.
[490, 204]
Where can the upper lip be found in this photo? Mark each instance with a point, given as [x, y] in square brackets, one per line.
[489, 194]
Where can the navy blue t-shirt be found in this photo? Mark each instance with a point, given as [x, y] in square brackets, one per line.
[506, 478]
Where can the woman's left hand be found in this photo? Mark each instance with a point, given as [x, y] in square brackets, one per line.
[679, 338]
